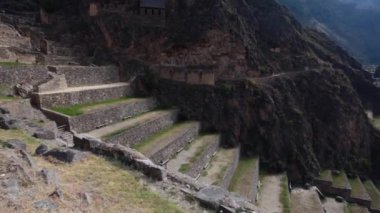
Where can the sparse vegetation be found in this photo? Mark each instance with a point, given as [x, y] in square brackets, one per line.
[11, 64]
[285, 196]
[80, 109]
[114, 183]
[220, 176]
[18, 134]
[184, 168]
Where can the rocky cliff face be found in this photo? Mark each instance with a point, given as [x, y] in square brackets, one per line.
[297, 120]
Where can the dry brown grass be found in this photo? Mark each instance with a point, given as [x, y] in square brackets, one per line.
[116, 189]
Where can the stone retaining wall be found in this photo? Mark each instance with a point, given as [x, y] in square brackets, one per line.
[322, 185]
[361, 201]
[60, 119]
[109, 115]
[138, 133]
[83, 96]
[24, 74]
[171, 149]
[87, 75]
[198, 166]
[190, 186]
[231, 170]
[256, 178]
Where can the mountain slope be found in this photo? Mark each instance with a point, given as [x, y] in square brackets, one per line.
[358, 32]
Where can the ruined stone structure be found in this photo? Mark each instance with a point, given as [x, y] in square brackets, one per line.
[189, 77]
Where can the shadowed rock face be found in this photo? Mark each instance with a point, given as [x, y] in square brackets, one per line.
[299, 122]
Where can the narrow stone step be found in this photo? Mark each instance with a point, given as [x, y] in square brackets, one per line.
[221, 168]
[165, 144]
[324, 181]
[246, 179]
[21, 42]
[195, 157]
[340, 186]
[359, 193]
[374, 194]
[81, 95]
[87, 75]
[88, 117]
[134, 130]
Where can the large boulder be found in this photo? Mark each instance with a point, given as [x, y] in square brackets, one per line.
[45, 134]
[24, 90]
[41, 149]
[7, 122]
[66, 155]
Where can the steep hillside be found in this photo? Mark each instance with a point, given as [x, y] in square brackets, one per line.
[357, 32]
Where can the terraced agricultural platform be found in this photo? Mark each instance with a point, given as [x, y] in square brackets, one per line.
[246, 178]
[221, 168]
[81, 95]
[136, 129]
[161, 147]
[196, 156]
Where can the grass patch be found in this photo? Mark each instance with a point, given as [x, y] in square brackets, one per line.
[243, 174]
[340, 181]
[152, 138]
[184, 168]
[374, 193]
[147, 142]
[112, 181]
[358, 189]
[11, 64]
[80, 109]
[220, 176]
[376, 122]
[285, 196]
[326, 175]
[31, 142]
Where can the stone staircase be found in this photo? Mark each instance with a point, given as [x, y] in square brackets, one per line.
[352, 189]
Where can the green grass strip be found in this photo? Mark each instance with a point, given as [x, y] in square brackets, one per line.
[285, 195]
[358, 189]
[326, 175]
[79, 109]
[246, 165]
[373, 193]
[340, 181]
[11, 64]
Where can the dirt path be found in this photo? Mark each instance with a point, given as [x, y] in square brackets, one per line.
[270, 191]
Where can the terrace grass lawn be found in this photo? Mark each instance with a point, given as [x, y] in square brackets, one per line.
[340, 181]
[374, 193]
[243, 175]
[325, 175]
[376, 122]
[358, 189]
[285, 195]
[80, 109]
[11, 64]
